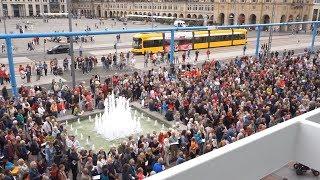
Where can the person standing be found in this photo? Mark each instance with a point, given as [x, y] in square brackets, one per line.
[103, 61]
[38, 71]
[128, 57]
[33, 171]
[65, 64]
[197, 55]
[184, 57]
[73, 159]
[146, 57]
[208, 54]
[2, 75]
[28, 73]
[244, 49]
[3, 48]
[45, 68]
[5, 93]
[62, 174]
[114, 59]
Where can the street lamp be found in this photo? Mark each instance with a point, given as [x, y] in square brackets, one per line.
[71, 45]
[270, 27]
[152, 25]
[4, 14]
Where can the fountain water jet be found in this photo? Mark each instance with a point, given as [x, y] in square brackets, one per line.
[116, 121]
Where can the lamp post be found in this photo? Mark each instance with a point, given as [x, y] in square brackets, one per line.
[152, 25]
[235, 20]
[71, 44]
[4, 14]
[270, 27]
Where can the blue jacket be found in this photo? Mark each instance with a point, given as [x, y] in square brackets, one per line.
[157, 167]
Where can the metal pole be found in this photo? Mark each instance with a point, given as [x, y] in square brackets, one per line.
[116, 51]
[172, 48]
[71, 45]
[270, 28]
[235, 20]
[314, 35]
[258, 40]
[11, 67]
[152, 25]
[4, 14]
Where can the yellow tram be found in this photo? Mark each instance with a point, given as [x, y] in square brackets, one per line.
[159, 42]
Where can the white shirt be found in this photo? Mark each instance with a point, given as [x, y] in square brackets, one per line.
[41, 110]
[74, 143]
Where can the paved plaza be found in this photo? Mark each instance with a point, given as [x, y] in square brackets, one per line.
[103, 45]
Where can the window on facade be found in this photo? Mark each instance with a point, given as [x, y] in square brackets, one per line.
[45, 8]
[30, 9]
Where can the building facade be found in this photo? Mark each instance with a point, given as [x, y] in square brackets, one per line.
[219, 11]
[23, 8]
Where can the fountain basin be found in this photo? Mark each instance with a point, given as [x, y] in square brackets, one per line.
[96, 141]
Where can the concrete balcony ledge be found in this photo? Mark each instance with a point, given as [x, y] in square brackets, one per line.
[258, 155]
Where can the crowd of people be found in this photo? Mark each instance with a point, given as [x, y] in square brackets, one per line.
[219, 102]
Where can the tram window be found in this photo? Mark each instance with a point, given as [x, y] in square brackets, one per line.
[238, 36]
[235, 37]
[147, 44]
[200, 39]
[213, 38]
[152, 43]
[157, 43]
[216, 38]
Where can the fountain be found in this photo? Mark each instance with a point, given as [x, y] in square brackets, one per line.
[78, 120]
[117, 121]
[155, 123]
[90, 119]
